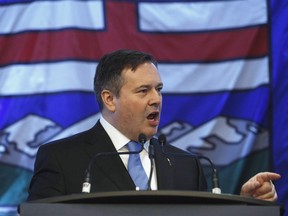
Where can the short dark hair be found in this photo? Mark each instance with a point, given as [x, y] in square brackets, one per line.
[110, 67]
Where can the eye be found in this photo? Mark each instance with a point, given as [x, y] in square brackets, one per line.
[159, 89]
[144, 90]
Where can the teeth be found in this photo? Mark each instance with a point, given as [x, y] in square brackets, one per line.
[151, 116]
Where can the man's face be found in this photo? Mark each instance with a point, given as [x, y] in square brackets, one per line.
[138, 108]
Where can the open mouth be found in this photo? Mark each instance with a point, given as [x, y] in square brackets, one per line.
[153, 116]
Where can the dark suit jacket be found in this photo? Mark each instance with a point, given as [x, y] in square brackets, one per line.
[60, 167]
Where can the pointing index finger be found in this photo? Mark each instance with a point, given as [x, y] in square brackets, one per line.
[267, 176]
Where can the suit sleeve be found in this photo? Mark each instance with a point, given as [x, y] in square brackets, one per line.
[47, 180]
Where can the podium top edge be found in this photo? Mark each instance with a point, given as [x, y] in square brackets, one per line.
[155, 196]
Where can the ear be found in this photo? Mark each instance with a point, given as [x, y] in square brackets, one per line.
[108, 99]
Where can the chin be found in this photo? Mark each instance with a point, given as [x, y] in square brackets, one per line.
[150, 133]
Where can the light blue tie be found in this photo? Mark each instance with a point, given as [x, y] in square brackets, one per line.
[135, 167]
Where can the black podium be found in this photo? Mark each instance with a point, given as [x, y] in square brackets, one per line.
[151, 203]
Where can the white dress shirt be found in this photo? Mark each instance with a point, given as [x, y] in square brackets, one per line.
[120, 141]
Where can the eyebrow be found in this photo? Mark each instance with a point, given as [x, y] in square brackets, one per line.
[148, 86]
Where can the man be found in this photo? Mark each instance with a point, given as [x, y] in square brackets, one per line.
[128, 90]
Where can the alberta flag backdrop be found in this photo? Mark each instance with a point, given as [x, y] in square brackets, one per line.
[224, 65]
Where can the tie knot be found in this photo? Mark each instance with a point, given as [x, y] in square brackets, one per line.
[134, 146]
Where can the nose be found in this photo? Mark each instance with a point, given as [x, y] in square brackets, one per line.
[156, 98]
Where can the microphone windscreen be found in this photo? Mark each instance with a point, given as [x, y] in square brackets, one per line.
[142, 138]
[162, 139]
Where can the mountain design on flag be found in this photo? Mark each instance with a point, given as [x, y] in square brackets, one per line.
[35, 131]
[219, 136]
[234, 138]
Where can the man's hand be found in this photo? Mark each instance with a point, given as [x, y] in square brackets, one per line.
[261, 187]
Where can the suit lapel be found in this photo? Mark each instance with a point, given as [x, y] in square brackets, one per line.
[165, 168]
[110, 168]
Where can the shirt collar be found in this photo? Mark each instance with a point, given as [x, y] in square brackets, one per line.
[118, 139]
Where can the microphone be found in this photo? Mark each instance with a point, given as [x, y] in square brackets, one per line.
[215, 181]
[86, 187]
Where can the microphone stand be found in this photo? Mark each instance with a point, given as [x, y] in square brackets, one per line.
[151, 157]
